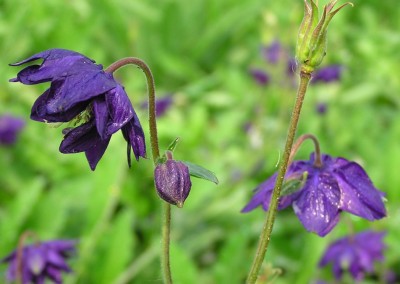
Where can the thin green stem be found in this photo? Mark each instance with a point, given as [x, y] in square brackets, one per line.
[166, 226]
[269, 221]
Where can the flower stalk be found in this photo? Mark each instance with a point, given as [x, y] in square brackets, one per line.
[270, 219]
[299, 142]
[166, 226]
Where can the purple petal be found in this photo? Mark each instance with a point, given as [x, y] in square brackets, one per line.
[94, 154]
[56, 63]
[80, 139]
[327, 74]
[359, 196]
[54, 274]
[75, 89]
[56, 260]
[39, 110]
[35, 259]
[133, 134]
[318, 203]
[119, 107]
[62, 245]
[101, 116]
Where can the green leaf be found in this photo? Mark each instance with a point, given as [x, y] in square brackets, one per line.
[200, 172]
[173, 145]
[293, 184]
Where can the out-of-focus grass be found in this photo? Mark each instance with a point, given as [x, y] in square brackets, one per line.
[201, 52]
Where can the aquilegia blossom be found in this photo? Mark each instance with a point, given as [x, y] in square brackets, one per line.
[327, 74]
[273, 52]
[10, 126]
[162, 105]
[82, 93]
[355, 254]
[260, 76]
[338, 185]
[40, 262]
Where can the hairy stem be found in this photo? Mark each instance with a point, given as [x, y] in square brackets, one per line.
[297, 144]
[166, 226]
[270, 219]
[20, 252]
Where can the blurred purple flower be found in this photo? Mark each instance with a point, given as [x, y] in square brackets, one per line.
[10, 126]
[338, 185]
[260, 76]
[291, 67]
[327, 74]
[355, 254]
[272, 53]
[162, 105]
[82, 92]
[321, 108]
[40, 262]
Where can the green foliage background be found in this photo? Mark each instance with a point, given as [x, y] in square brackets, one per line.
[201, 52]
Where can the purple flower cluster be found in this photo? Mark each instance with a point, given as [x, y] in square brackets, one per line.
[81, 92]
[10, 126]
[355, 254]
[338, 185]
[40, 262]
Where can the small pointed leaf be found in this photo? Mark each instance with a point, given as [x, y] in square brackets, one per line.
[200, 172]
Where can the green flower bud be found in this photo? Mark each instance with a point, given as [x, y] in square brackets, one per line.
[312, 39]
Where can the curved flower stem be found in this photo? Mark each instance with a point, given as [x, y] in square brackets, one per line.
[20, 249]
[297, 144]
[270, 219]
[166, 227]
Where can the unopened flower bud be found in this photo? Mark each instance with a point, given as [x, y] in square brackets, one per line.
[172, 182]
[312, 40]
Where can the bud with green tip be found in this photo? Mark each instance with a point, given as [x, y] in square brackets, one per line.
[172, 181]
[311, 40]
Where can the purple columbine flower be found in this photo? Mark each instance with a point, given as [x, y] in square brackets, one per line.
[355, 254]
[162, 105]
[321, 108]
[260, 76]
[272, 53]
[172, 181]
[10, 126]
[291, 67]
[338, 185]
[40, 262]
[81, 92]
[327, 74]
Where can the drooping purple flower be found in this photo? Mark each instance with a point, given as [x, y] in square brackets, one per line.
[10, 126]
[321, 108]
[260, 76]
[40, 262]
[162, 105]
[327, 74]
[172, 181]
[82, 93]
[291, 67]
[355, 254]
[272, 53]
[338, 185]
